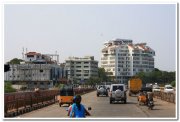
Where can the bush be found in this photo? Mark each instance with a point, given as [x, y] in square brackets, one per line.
[173, 83]
[8, 88]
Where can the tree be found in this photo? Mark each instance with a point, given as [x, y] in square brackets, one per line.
[157, 76]
[102, 74]
[93, 81]
[15, 61]
[173, 83]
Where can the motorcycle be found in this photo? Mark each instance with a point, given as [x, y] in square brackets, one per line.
[150, 104]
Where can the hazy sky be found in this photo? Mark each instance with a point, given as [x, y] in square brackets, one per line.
[79, 30]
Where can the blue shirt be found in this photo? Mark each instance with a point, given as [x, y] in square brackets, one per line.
[77, 113]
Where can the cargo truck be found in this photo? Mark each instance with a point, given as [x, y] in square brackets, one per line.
[134, 85]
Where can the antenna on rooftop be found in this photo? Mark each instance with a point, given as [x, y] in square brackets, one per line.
[26, 50]
[23, 53]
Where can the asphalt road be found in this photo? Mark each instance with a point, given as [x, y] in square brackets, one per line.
[101, 108]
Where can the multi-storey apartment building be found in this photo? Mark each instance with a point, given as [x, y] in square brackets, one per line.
[122, 59]
[81, 69]
[38, 71]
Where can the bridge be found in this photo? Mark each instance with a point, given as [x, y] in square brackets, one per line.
[101, 108]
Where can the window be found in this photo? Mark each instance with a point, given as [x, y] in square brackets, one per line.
[86, 74]
[78, 66]
[118, 87]
[30, 56]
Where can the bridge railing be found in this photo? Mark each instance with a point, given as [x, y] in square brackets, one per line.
[24, 101]
[169, 97]
[21, 102]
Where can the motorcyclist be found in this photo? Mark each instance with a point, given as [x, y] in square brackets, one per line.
[149, 98]
[70, 107]
[78, 110]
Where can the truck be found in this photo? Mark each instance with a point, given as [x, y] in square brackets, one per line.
[134, 85]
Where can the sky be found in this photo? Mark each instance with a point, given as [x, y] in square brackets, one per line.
[81, 29]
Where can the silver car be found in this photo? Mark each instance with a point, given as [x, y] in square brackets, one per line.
[118, 93]
[102, 90]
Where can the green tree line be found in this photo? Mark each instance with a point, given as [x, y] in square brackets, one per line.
[158, 76]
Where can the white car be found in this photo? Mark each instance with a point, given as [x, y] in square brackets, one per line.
[117, 93]
[168, 89]
[156, 89]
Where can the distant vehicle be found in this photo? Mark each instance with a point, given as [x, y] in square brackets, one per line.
[156, 89]
[142, 98]
[118, 93]
[102, 90]
[134, 85]
[66, 95]
[149, 85]
[168, 89]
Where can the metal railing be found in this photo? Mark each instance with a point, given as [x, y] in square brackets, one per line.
[169, 97]
[22, 102]
[17, 103]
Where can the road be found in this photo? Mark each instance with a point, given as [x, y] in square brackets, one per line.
[101, 108]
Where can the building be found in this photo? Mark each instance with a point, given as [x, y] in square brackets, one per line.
[38, 71]
[122, 59]
[34, 57]
[81, 69]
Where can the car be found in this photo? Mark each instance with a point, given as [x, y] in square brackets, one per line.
[101, 90]
[168, 89]
[118, 93]
[156, 89]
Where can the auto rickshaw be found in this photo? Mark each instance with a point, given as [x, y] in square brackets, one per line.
[66, 96]
[143, 96]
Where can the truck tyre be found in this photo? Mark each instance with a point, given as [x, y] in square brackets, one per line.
[110, 101]
[59, 104]
[125, 101]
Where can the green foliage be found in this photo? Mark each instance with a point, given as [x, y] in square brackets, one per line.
[102, 77]
[173, 83]
[59, 85]
[102, 74]
[93, 81]
[8, 87]
[157, 76]
[15, 61]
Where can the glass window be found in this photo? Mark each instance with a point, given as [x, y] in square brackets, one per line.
[118, 87]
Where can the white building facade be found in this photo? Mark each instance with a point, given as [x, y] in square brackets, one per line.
[38, 71]
[81, 69]
[122, 59]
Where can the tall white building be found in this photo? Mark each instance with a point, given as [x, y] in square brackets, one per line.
[81, 69]
[122, 59]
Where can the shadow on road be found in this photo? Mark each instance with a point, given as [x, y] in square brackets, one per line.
[131, 103]
[156, 109]
[102, 96]
[124, 103]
